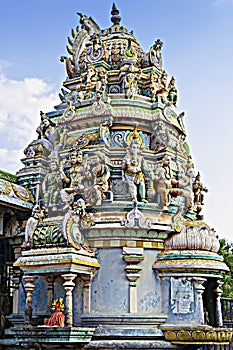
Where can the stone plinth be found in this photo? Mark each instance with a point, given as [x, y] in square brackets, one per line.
[51, 337]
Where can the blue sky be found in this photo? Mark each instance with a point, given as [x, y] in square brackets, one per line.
[197, 50]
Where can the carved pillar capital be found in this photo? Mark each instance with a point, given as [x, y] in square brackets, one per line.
[133, 256]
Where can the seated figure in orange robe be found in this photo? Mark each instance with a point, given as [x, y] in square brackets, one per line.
[57, 318]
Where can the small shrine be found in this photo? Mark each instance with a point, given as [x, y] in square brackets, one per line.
[115, 251]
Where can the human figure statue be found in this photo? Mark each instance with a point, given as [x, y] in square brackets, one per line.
[100, 85]
[155, 54]
[162, 91]
[51, 186]
[57, 319]
[104, 130]
[91, 82]
[154, 85]
[73, 177]
[100, 175]
[185, 185]
[198, 190]
[130, 83]
[48, 135]
[162, 177]
[160, 138]
[172, 92]
[133, 165]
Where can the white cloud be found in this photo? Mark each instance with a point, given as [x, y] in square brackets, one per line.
[20, 104]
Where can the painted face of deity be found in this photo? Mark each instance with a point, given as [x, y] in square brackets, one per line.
[46, 122]
[53, 166]
[76, 158]
[190, 172]
[134, 149]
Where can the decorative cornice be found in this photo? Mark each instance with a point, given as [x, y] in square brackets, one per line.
[197, 335]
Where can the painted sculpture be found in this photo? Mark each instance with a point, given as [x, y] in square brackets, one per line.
[133, 174]
[52, 185]
[73, 177]
[100, 175]
[57, 319]
[163, 179]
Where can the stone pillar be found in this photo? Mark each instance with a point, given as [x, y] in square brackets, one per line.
[200, 289]
[69, 286]
[1, 222]
[87, 293]
[16, 282]
[49, 280]
[218, 315]
[29, 287]
[133, 256]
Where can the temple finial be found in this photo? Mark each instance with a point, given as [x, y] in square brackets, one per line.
[115, 15]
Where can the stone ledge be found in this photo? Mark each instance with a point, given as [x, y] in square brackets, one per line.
[24, 335]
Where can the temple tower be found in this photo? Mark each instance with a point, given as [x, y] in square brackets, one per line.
[116, 236]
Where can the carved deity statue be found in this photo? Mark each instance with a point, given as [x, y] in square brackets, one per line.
[73, 177]
[51, 186]
[162, 92]
[155, 54]
[162, 177]
[104, 130]
[154, 85]
[133, 166]
[102, 79]
[130, 82]
[172, 92]
[198, 190]
[58, 318]
[160, 137]
[185, 185]
[48, 135]
[100, 174]
[91, 80]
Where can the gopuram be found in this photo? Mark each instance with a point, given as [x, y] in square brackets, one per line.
[114, 252]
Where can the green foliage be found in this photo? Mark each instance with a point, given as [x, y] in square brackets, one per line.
[226, 250]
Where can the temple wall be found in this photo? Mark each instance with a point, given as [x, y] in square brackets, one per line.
[187, 310]
[148, 285]
[110, 285]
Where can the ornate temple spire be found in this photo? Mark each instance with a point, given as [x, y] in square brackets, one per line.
[115, 15]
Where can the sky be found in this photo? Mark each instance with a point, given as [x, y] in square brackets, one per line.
[197, 51]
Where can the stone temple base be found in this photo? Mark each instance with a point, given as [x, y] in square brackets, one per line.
[42, 337]
[127, 331]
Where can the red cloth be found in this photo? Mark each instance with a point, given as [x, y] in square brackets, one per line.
[57, 318]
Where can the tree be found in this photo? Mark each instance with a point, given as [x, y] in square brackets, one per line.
[226, 251]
